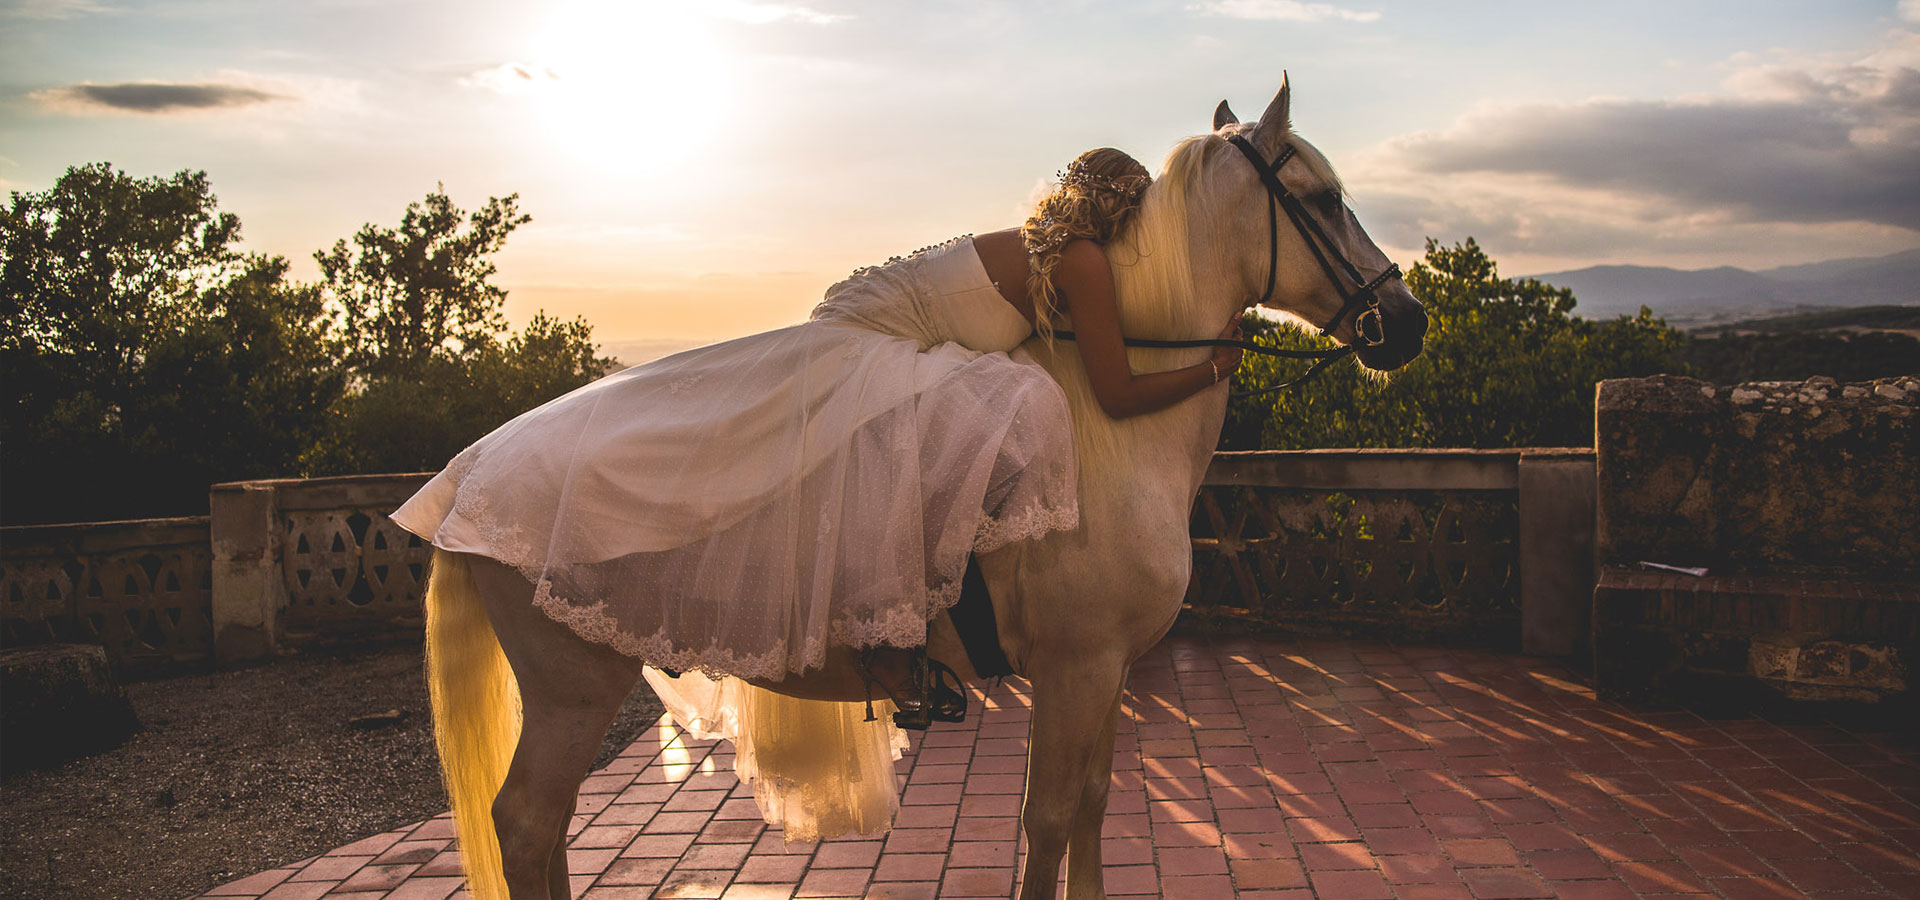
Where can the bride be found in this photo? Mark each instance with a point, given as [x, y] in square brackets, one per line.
[738, 508]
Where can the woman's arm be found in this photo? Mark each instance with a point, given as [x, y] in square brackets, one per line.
[1086, 282]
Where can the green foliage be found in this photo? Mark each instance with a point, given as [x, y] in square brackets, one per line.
[419, 292]
[1796, 356]
[434, 364]
[417, 423]
[1506, 364]
[145, 355]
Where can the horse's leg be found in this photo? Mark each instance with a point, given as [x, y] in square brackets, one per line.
[1073, 704]
[1086, 879]
[559, 884]
[570, 690]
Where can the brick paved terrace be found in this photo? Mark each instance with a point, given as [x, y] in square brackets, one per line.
[1338, 770]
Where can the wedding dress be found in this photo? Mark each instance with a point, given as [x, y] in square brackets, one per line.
[738, 508]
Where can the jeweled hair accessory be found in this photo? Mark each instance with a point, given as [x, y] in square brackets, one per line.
[1077, 174]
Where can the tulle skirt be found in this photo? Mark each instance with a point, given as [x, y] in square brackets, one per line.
[738, 508]
[818, 769]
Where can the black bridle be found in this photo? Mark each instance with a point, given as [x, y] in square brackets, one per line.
[1362, 302]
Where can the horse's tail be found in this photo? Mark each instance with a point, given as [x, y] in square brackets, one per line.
[476, 714]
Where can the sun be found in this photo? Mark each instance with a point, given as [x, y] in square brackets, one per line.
[630, 86]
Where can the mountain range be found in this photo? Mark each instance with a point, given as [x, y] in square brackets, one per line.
[1691, 298]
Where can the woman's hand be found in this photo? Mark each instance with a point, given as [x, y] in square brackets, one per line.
[1227, 359]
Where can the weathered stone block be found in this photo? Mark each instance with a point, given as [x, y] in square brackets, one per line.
[1809, 667]
[1763, 477]
[59, 702]
[1810, 637]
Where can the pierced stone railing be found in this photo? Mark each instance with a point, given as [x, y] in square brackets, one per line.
[1491, 546]
[142, 589]
[1477, 544]
[314, 559]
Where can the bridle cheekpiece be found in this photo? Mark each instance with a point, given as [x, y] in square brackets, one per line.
[1368, 328]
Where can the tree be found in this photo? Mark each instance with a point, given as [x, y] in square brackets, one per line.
[1506, 364]
[145, 355]
[412, 294]
[434, 365]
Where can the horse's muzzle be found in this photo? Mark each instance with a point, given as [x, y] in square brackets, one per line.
[1403, 329]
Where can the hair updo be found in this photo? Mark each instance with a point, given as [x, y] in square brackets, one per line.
[1097, 195]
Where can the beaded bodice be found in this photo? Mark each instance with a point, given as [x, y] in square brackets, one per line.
[936, 295]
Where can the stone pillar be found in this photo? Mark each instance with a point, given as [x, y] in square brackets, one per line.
[249, 591]
[1557, 496]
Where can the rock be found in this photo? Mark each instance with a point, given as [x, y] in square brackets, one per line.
[1758, 477]
[59, 702]
[386, 719]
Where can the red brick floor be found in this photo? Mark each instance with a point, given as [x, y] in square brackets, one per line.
[1339, 770]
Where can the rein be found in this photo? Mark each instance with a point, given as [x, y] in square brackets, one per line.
[1324, 358]
[1362, 302]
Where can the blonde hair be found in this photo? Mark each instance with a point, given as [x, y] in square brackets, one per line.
[1155, 297]
[1096, 197]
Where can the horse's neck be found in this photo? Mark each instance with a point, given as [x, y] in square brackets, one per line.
[1163, 453]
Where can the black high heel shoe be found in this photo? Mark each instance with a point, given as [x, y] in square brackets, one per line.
[934, 693]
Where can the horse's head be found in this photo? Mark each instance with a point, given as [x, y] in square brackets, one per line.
[1291, 238]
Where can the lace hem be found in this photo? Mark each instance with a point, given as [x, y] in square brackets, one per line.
[593, 624]
[1029, 524]
[901, 625]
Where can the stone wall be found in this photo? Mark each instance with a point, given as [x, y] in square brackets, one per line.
[1801, 500]
[1493, 546]
[299, 561]
[140, 589]
[1771, 477]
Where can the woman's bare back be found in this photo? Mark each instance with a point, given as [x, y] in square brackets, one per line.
[1004, 255]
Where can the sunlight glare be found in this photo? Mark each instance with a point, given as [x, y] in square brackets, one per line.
[635, 87]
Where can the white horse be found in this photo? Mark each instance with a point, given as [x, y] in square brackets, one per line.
[1074, 609]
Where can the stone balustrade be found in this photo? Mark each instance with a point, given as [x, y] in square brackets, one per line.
[1494, 545]
[1486, 546]
[142, 589]
[1796, 505]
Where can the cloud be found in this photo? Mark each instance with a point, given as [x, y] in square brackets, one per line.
[1910, 11]
[769, 13]
[53, 9]
[1789, 147]
[511, 77]
[154, 98]
[1282, 10]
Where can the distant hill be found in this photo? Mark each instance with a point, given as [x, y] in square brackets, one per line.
[641, 350]
[1706, 297]
[1904, 319]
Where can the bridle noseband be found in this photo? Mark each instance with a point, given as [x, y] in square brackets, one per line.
[1362, 302]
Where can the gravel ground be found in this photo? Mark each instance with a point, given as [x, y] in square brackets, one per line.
[235, 772]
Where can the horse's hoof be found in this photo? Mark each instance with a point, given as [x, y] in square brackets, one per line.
[915, 719]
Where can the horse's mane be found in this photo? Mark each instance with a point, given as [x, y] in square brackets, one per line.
[1152, 257]
[1152, 262]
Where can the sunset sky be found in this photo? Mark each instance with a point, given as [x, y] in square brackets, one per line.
[701, 171]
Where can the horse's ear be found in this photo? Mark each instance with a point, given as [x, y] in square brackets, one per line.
[1277, 115]
[1222, 116]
